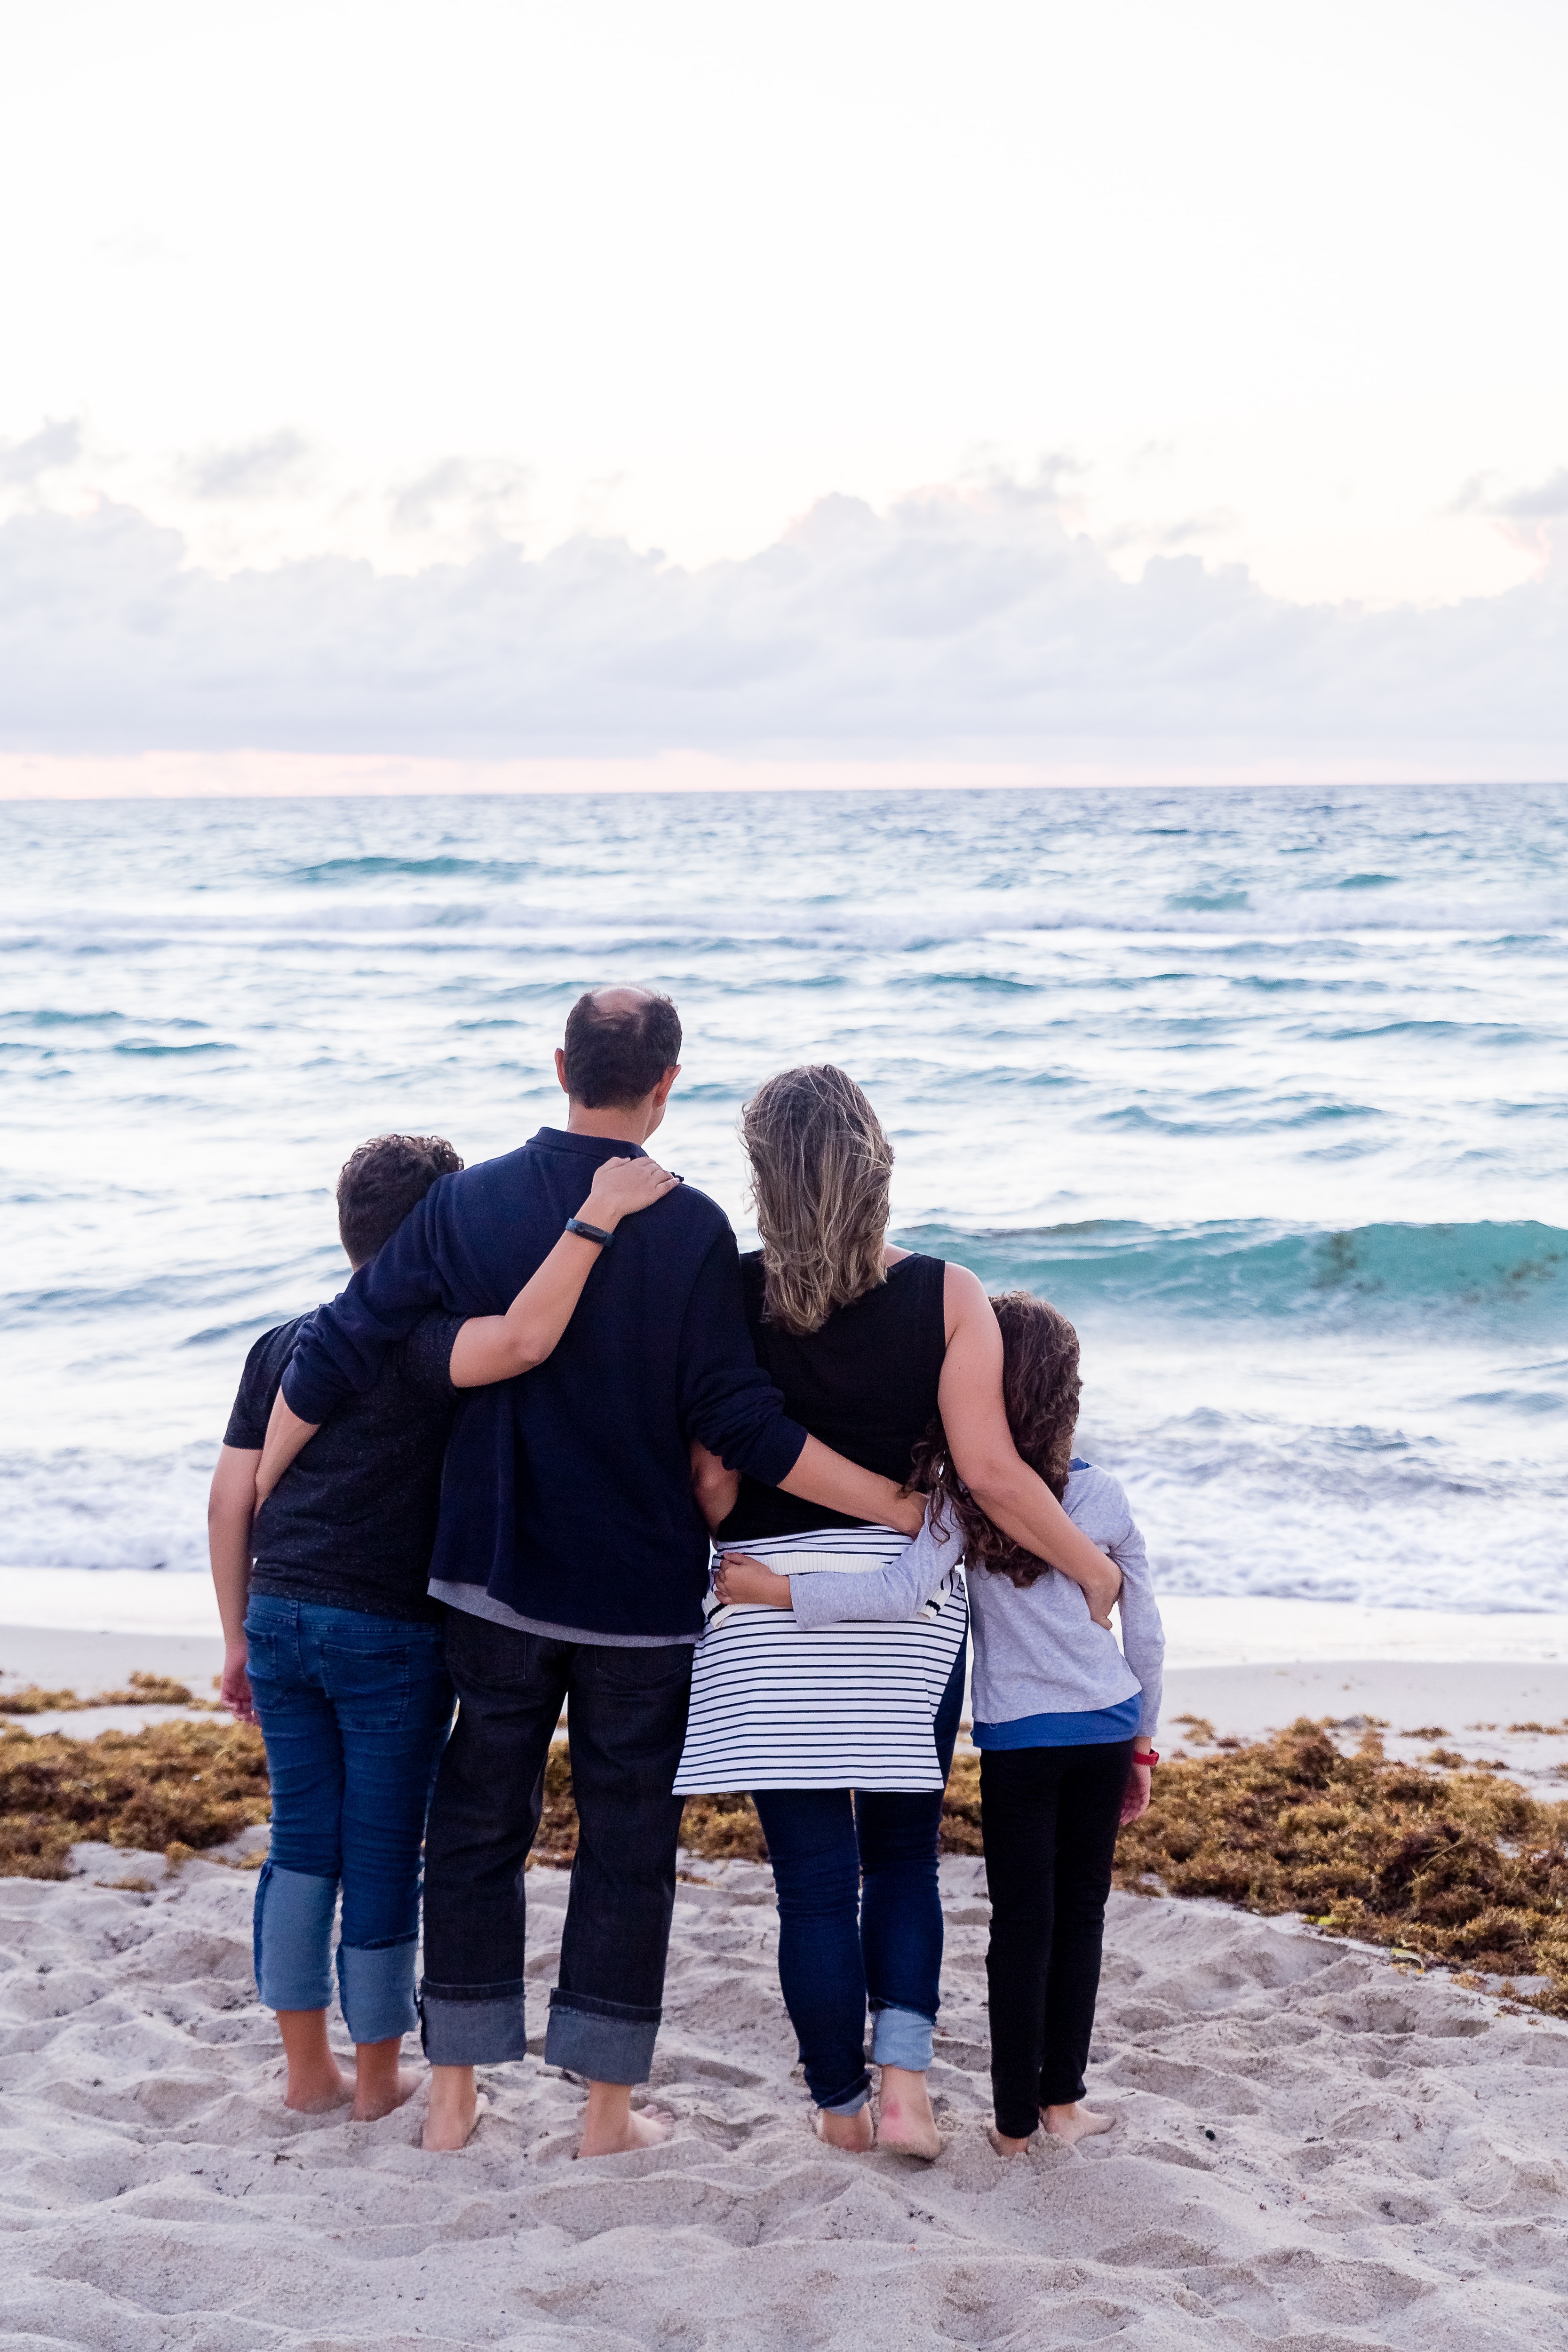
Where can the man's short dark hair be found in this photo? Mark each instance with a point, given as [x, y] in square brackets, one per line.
[616, 1059]
[382, 1181]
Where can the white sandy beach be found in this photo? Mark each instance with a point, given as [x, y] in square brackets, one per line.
[1312, 2153]
[1314, 2150]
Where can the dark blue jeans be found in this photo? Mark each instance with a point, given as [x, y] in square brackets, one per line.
[354, 1711]
[860, 1919]
[625, 1723]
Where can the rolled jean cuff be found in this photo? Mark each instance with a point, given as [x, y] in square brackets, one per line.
[850, 2104]
[605, 2040]
[375, 1990]
[293, 1938]
[902, 2037]
[481, 2025]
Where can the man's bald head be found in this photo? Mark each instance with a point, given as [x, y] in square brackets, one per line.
[619, 1042]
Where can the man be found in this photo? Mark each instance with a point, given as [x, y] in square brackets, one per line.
[573, 1558]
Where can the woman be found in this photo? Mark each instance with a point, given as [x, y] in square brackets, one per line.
[844, 1735]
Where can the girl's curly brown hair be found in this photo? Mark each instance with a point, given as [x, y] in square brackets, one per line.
[1040, 1390]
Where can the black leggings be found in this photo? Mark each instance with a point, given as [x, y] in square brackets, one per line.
[1049, 1817]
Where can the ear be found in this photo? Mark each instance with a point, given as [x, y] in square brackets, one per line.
[661, 1092]
[560, 1071]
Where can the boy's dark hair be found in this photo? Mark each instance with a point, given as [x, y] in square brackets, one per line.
[1040, 1390]
[382, 1181]
[616, 1058]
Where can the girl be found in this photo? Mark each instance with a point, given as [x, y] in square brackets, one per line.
[1063, 1719]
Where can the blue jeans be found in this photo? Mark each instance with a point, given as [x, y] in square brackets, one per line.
[860, 1919]
[354, 1711]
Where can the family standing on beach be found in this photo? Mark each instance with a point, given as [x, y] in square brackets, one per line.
[558, 1444]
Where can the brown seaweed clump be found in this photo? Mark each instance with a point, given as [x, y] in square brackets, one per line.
[146, 1690]
[192, 1785]
[1465, 1870]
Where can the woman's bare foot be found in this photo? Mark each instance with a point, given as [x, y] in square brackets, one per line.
[455, 2107]
[611, 2128]
[1002, 2145]
[855, 2134]
[1075, 2123]
[904, 2120]
[316, 2081]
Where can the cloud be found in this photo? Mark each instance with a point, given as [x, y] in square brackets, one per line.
[57, 444]
[247, 470]
[1547, 499]
[962, 622]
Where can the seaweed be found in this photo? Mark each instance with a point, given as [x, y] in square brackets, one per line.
[191, 1785]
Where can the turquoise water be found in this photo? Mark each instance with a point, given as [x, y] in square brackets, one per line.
[1267, 1089]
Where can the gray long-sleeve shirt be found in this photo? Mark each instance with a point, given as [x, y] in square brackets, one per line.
[1036, 1650]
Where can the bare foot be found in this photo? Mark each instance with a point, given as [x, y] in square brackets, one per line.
[316, 2092]
[1075, 2123]
[373, 2100]
[904, 2120]
[456, 2108]
[855, 2133]
[1002, 2145]
[639, 2127]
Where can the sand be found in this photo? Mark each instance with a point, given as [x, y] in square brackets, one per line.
[1313, 2152]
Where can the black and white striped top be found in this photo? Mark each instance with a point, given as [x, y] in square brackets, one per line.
[850, 1706]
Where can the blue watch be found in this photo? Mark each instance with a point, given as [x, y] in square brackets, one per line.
[590, 1233]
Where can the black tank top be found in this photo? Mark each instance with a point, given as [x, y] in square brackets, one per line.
[865, 1384]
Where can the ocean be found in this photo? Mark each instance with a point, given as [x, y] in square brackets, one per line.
[1266, 1089]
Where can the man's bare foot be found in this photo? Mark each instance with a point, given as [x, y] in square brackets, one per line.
[1002, 2145]
[455, 2107]
[904, 2120]
[316, 2091]
[856, 2133]
[1075, 2123]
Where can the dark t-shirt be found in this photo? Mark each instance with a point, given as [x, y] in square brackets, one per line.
[865, 1384]
[351, 1522]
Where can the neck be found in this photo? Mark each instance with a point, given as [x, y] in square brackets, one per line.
[616, 1126]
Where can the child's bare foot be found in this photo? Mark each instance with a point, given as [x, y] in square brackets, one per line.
[856, 2133]
[373, 2100]
[315, 2090]
[904, 2120]
[315, 2082]
[455, 2107]
[1075, 2123]
[1002, 2145]
[640, 2127]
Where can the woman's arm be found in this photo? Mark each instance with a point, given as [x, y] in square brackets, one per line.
[492, 1348]
[717, 1490]
[231, 1506]
[1009, 1493]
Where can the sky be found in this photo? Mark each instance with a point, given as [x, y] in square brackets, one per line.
[1139, 386]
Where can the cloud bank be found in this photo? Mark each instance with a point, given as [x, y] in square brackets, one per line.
[959, 624]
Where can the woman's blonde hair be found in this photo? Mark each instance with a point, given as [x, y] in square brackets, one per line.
[820, 1169]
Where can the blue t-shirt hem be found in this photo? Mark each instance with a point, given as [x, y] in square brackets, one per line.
[1090, 1727]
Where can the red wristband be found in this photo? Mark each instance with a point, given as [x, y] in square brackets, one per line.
[1150, 1756]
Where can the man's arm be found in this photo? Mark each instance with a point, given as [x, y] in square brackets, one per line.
[340, 1349]
[736, 1410]
[231, 1506]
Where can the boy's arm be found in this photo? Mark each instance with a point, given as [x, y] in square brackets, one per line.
[499, 1347]
[231, 1507]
